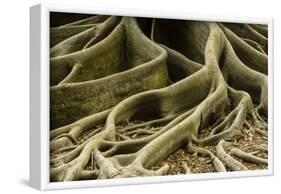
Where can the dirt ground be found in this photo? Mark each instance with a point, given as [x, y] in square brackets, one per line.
[199, 164]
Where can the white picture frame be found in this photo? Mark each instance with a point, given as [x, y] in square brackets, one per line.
[39, 102]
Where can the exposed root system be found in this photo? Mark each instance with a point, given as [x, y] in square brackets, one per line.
[150, 97]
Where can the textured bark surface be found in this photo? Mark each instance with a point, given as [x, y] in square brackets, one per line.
[136, 97]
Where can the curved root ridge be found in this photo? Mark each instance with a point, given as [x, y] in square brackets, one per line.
[229, 161]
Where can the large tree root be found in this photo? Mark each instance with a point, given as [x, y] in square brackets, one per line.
[229, 161]
[248, 157]
[58, 34]
[148, 72]
[122, 103]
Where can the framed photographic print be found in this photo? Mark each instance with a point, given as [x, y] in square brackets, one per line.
[133, 97]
